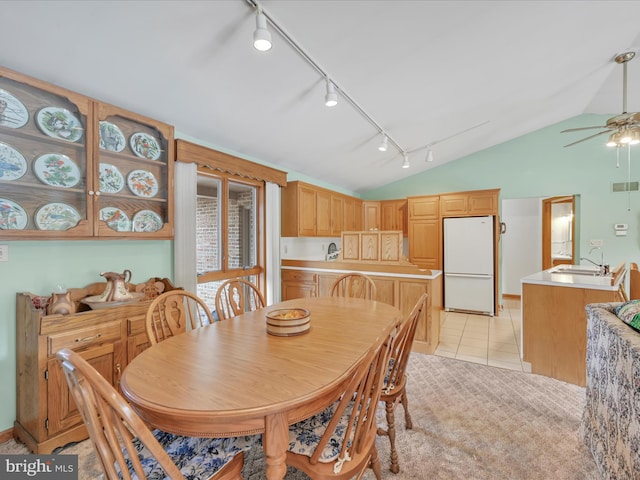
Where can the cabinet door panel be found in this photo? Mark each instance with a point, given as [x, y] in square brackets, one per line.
[307, 211]
[451, 205]
[483, 204]
[371, 215]
[337, 215]
[424, 207]
[323, 214]
[424, 243]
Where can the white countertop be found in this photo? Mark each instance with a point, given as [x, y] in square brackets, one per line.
[430, 276]
[561, 276]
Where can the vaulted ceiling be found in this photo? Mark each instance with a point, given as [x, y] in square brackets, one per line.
[461, 75]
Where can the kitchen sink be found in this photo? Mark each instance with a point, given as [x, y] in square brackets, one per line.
[593, 272]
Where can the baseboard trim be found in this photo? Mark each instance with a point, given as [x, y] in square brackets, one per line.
[6, 435]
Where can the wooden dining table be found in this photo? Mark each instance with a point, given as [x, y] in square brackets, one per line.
[232, 378]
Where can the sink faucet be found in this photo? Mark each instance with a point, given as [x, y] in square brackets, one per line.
[603, 269]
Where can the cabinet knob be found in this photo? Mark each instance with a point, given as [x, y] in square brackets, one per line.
[91, 192]
[98, 193]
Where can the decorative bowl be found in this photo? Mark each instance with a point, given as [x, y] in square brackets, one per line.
[95, 303]
[287, 322]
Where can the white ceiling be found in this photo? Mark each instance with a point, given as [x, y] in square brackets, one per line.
[423, 70]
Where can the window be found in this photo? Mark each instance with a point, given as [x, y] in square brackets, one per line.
[227, 225]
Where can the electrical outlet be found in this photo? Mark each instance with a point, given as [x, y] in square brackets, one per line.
[4, 253]
[596, 243]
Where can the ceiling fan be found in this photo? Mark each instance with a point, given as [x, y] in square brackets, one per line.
[624, 129]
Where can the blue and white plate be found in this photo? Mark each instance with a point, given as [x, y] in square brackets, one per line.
[13, 113]
[116, 219]
[147, 221]
[145, 146]
[111, 180]
[56, 216]
[111, 137]
[57, 170]
[12, 215]
[59, 123]
[12, 163]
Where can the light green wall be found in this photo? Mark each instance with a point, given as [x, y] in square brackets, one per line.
[37, 267]
[537, 165]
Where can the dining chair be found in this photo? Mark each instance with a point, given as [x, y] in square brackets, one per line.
[356, 285]
[394, 389]
[236, 296]
[634, 281]
[170, 313]
[339, 442]
[125, 446]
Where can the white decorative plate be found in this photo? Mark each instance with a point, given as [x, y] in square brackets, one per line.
[12, 163]
[111, 137]
[13, 113]
[56, 216]
[116, 219]
[111, 180]
[145, 146]
[142, 183]
[12, 215]
[57, 170]
[59, 123]
[147, 221]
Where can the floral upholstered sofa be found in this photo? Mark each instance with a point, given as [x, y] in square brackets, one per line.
[611, 418]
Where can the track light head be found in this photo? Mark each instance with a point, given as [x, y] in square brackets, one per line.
[406, 163]
[331, 98]
[429, 156]
[384, 144]
[261, 36]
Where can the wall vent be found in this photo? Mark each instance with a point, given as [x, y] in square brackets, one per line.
[625, 187]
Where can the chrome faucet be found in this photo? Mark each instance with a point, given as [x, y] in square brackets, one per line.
[602, 268]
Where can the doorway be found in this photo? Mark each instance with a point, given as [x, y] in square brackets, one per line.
[558, 231]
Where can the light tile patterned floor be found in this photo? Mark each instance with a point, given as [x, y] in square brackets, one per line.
[482, 339]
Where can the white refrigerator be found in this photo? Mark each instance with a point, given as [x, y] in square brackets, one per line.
[468, 264]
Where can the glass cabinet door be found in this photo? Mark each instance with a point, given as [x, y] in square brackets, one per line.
[134, 175]
[44, 143]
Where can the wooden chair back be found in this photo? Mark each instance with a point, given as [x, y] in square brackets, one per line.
[110, 421]
[355, 285]
[236, 296]
[358, 402]
[634, 281]
[402, 348]
[173, 312]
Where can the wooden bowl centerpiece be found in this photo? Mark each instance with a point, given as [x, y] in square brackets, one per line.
[287, 322]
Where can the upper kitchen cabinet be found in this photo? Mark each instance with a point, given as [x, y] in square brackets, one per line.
[472, 203]
[424, 236]
[371, 215]
[74, 168]
[310, 211]
[393, 215]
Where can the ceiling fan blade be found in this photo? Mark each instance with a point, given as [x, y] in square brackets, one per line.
[587, 138]
[581, 128]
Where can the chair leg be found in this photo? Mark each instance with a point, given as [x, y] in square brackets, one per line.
[391, 432]
[374, 463]
[405, 405]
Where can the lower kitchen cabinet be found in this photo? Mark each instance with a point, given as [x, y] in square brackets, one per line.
[109, 338]
[402, 292]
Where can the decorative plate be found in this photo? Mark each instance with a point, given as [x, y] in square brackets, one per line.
[145, 146]
[111, 180]
[116, 219]
[57, 170]
[13, 113]
[12, 215]
[56, 216]
[12, 163]
[111, 137]
[59, 123]
[147, 221]
[142, 183]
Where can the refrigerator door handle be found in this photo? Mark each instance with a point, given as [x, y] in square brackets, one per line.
[467, 275]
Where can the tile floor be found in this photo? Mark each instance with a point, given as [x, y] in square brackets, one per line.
[482, 339]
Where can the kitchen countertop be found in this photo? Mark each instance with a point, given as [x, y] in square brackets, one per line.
[561, 276]
[379, 269]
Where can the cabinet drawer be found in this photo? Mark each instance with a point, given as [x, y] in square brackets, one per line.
[84, 337]
[136, 325]
[298, 276]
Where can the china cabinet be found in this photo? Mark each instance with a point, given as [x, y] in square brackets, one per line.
[72, 167]
[108, 338]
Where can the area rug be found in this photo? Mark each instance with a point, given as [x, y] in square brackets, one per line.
[470, 421]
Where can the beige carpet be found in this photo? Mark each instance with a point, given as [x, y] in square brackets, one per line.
[470, 422]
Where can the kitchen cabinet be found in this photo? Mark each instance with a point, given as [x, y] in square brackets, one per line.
[310, 211]
[391, 287]
[473, 203]
[424, 208]
[371, 215]
[372, 246]
[46, 416]
[424, 231]
[77, 168]
[393, 215]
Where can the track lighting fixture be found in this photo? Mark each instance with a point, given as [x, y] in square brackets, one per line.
[406, 163]
[331, 98]
[429, 157]
[261, 36]
[384, 144]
